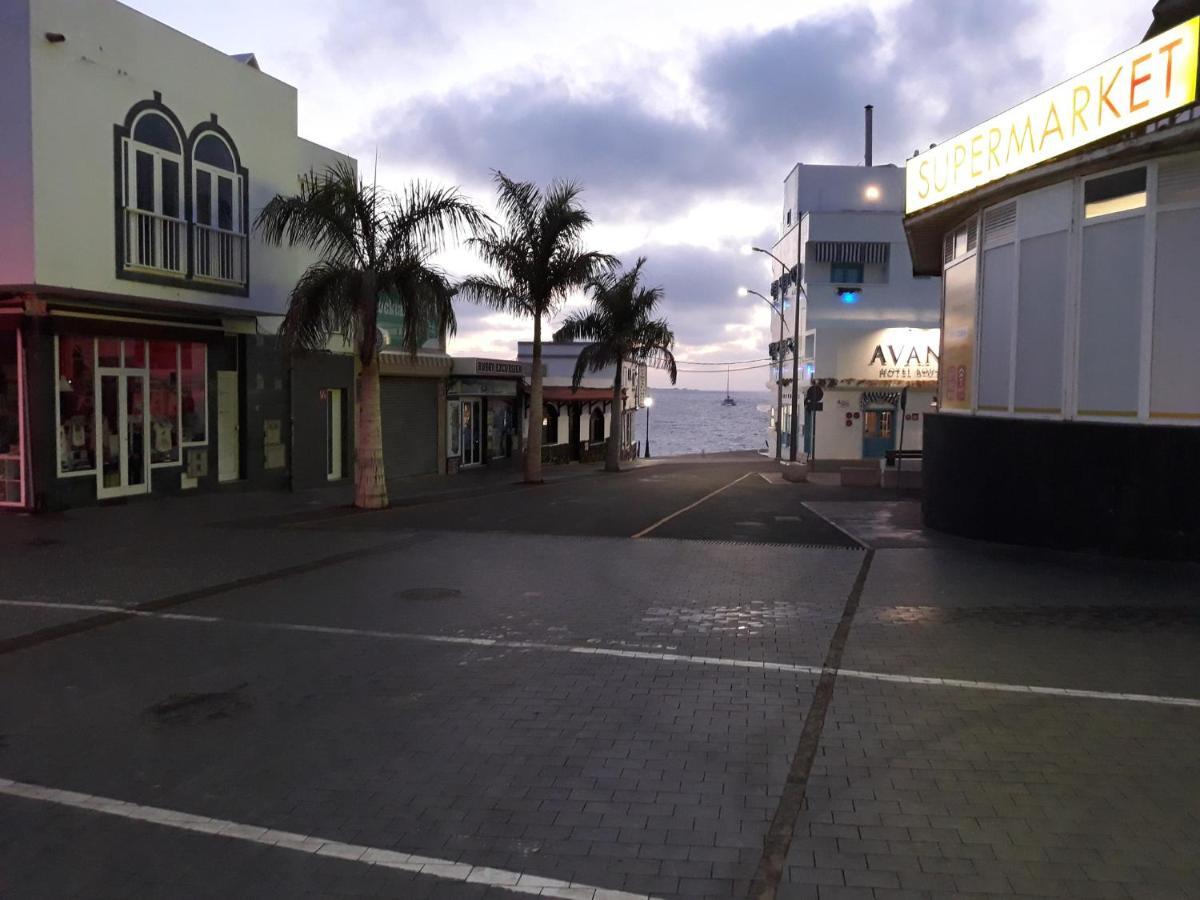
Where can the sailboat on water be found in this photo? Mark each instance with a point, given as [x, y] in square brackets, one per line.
[728, 401]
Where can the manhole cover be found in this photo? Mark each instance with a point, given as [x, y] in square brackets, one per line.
[429, 594]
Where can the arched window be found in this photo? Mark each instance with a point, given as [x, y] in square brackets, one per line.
[155, 236]
[220, 240]
[597, 425]
[550, 424]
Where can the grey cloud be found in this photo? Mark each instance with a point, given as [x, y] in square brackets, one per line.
[792, 93]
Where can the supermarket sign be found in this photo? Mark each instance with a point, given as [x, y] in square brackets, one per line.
[1134, 87]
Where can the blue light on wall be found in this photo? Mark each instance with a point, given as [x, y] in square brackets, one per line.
[848, 295]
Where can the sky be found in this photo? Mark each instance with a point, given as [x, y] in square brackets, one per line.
[680, 120]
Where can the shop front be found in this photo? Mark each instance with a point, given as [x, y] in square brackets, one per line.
[13, 477]
[876, 387]
[482, 408]
[105, 406]
[1069, 389]
[136, 415]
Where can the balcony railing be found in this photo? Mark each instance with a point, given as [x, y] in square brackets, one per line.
[220, 254]
[158, 243]
[155, 242]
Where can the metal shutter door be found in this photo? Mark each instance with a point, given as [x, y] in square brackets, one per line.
[409, 412]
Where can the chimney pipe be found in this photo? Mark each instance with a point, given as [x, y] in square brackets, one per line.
[869, 111]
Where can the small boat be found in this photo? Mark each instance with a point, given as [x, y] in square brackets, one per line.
[728, 401]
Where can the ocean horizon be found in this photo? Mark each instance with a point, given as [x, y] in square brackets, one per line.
[686, 420]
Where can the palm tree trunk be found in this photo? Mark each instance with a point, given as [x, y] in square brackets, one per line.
[370, 486]
[533, 442]
[612, 456]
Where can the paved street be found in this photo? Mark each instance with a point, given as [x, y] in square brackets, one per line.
[687, 680]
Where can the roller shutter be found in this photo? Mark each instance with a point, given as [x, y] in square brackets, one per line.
[410, 425]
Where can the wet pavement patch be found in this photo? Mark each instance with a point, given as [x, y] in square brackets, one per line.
[433, 593]
[1107, 618]
[191, 708]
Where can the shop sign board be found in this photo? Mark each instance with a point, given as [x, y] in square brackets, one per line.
[493, 368]
[1137, 86]
[890, 354]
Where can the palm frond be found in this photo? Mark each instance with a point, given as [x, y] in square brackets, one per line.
[321, 216]
[321, 304]
[593, 358]
[499, 295]
[425, 216]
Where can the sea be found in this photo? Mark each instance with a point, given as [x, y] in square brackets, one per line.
[685, 421]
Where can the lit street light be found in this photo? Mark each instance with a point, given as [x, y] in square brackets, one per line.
[745, 292]
[649, 403]
[794, 431]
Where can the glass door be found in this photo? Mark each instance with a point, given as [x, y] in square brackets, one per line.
[472, 432]
[121, 424]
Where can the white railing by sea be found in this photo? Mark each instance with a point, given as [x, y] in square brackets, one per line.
[155, 242]
[220, 254]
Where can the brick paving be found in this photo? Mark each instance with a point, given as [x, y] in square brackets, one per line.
[651, 776]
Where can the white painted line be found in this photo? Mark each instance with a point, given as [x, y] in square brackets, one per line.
[830, 521]
[447, 869]
[656, 656]
[680, 512]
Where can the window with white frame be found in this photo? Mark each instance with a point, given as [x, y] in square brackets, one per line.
[155, 233]
[177, 409]
[220, 241]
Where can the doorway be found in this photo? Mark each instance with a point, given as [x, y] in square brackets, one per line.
[879, 431]
[228, 431]
[472, 432]
[575, 411]
[121, 418]
[335, 441]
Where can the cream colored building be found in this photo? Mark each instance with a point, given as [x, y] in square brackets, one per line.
[137, 306]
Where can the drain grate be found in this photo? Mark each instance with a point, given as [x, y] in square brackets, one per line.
[433, 593]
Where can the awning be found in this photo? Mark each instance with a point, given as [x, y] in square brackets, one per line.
[849, 251]
[424, 364]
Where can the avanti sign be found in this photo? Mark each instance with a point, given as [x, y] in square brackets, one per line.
[1137, 86]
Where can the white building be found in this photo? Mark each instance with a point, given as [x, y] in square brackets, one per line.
[573, 420]
[869, 326]
[1070, 387]
[136, 305]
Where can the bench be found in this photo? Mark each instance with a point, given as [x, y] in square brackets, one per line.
[893, 455]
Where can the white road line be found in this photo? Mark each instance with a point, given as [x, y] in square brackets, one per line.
[680, 512]
[830, 521]
[656, 656]
[446, 869]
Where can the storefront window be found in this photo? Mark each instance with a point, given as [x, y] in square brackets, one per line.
[193, 373]
[164, 402]
[11, 459]
[76, 403]
[454, 428]
[110, 353]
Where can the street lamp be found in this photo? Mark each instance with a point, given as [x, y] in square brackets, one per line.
[795, 429]
[745, 292]
[649, 403]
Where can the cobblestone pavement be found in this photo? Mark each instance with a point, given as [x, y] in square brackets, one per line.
[506, 694]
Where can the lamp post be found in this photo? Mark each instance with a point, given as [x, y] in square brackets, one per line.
[795, 429]
[649, 403]
[743, 292]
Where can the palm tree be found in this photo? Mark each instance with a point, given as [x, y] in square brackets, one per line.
[621, 329]
[374, 252]
[538, 258]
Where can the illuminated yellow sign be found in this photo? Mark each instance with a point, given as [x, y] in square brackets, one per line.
[1136, 86]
